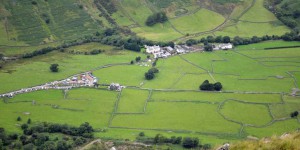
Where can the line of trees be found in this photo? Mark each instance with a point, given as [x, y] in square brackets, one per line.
[237, 40]
[159, 17]
[109, 36]
[186, 142]
[39, 137]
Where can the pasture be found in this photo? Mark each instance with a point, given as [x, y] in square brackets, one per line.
[255, 99]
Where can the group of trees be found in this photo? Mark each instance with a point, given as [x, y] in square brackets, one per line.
[150, 74]
[206, 86]
[209, 39]
[285, 11]
[106, 7]
[159, 17]
[38, 137]
[186, 142]
[290, 36]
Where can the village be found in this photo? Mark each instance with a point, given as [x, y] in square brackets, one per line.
[80, 80]
[164, 52]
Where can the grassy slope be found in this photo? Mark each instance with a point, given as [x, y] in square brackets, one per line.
[203, 20]
[67, 21]
[258, 13]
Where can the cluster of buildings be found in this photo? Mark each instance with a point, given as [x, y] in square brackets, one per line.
[115, 87]
[223, 46]
[164, 52]
[81, 80]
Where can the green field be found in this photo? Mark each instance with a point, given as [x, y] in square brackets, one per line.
[203, 20]
[254, 100]
[257, 83]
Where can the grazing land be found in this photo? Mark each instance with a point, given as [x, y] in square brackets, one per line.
[260, 82]
[255, 99]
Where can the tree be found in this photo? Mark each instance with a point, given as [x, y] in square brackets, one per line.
[49, 145]
[208, 47]
[206, 86]
[206, 146]
[217, 86]
[219, 39]
[190, 142]
[137, 59]
[226, 39]
[294, 114]
[19, 118]
[29, 146]
[141, 134]
[24, 126]
[154, 70]
[62, 145]
[29, 121]
[149, 75]
[159, 17]
[54, 67]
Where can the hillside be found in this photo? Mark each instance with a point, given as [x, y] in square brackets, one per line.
[286, 141]
[25, 23]
[288, 11]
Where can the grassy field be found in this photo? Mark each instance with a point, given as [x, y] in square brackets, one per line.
[158, 116]
[171, 103]
[258, 8]
[51, 106]
[246, 113]
[203, 20]
[132, 101]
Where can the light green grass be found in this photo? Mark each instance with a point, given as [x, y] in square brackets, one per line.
[203, 20]
[247, 29]
[278, 128]
[284, 110]
[253, 114]
[96, 110]
[159, 115]
[130, 75]
[36, 71]
[137, 10]
[191, 81]
[259, 13]
[203, 60]
[91, 46]
[233, 83]
[132, 101]
[213, 97]
[267, 44]
[170, 71]
[158, 32]
[285, 52]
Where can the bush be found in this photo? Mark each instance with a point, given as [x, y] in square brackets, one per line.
[54, 67]
[159, 17]
[294, 114]
[149, 75]
[190, 142]
[206, 86]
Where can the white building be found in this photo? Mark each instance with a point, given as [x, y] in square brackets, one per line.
[152, 49]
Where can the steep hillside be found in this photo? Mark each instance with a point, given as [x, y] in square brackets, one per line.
[43, 21]
[285, 141]
[288, 11]
[36, 22]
